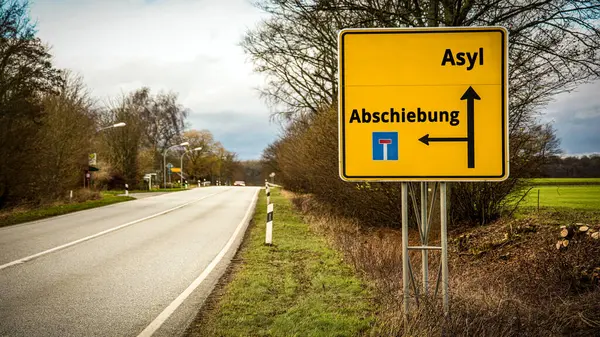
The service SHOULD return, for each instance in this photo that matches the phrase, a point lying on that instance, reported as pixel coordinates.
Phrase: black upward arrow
(470, 95)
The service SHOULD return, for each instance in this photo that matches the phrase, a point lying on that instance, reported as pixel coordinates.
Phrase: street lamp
(165, 161)
(221, 159)
(117, 125)
(181, 160)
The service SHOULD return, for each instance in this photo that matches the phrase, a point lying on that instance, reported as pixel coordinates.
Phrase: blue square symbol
(385, 145)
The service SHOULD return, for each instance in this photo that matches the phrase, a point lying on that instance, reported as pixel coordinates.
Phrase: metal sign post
(444, 242)
(411, 99)
(272, 175)
(424, 226)
(405, 257)
(424, 237)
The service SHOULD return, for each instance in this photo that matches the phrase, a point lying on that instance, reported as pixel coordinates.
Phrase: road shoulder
(298, 286)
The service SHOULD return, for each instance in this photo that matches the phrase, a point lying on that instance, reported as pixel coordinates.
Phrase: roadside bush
(65, 141)
(522, 287)
(307, 158)
(85, 194)
(308, 161)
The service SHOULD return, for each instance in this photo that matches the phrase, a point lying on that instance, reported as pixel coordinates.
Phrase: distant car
(239, 183)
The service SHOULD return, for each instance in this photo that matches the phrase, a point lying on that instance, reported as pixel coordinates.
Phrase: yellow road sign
(425, 104)
(175, 169)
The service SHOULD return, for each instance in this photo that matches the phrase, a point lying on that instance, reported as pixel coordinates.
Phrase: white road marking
(169, 310)
(72, 243)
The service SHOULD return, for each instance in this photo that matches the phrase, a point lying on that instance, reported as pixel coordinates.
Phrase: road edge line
(172, 307)
(72, 243)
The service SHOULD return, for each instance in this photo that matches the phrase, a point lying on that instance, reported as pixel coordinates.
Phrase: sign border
(423, 30)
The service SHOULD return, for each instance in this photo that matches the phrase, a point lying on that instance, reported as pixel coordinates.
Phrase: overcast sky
(191, 47)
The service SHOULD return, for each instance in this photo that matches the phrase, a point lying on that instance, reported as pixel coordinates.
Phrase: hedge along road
(119, 270)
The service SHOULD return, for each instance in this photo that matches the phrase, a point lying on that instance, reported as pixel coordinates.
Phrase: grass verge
(17, 217)
(297, 287)
(117, 192)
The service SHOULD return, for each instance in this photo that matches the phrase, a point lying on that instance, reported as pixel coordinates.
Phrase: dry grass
(506, 279)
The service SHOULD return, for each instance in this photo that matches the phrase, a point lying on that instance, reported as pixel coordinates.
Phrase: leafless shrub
(85, 194)
(523, 287)
(553, 48)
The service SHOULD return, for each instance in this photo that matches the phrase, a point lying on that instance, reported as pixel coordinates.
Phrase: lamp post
(165, 161)
(181, 160)
(116, 125)
(221, 158)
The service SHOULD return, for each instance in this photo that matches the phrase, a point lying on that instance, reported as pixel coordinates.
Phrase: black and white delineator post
(126, 189)
(269, 229)
(424, 225)
(269, 233)
(268, 191)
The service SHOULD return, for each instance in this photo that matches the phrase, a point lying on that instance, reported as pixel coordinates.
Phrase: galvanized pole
(444, 239)
(424, 238)
(165, 169)
(181, 167)
(405, 257)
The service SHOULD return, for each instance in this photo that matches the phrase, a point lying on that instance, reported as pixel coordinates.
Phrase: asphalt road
(140, 267)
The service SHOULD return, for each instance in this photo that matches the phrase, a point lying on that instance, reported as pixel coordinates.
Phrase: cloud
(241, 133)
(576, 117)
(189, 47)
(192, 47)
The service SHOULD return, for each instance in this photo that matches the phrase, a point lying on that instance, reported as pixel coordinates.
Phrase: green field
(565, 181)
(575, 193)
(582, 197)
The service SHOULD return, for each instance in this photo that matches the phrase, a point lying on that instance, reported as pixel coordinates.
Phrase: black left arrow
(470, 95)
(425, 139)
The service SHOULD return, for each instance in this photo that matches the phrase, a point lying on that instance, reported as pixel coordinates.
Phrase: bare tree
(556, 42)
(65, 140)
(554, 46)
(270, 159)
(199, 163)
(162, 119)
(26, 73)
(123, 145)
(154, 123)
(162, 115)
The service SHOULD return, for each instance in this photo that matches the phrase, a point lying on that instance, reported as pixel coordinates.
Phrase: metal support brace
(424, 237)
(444, 242)
(405, 271)
(424, 225)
